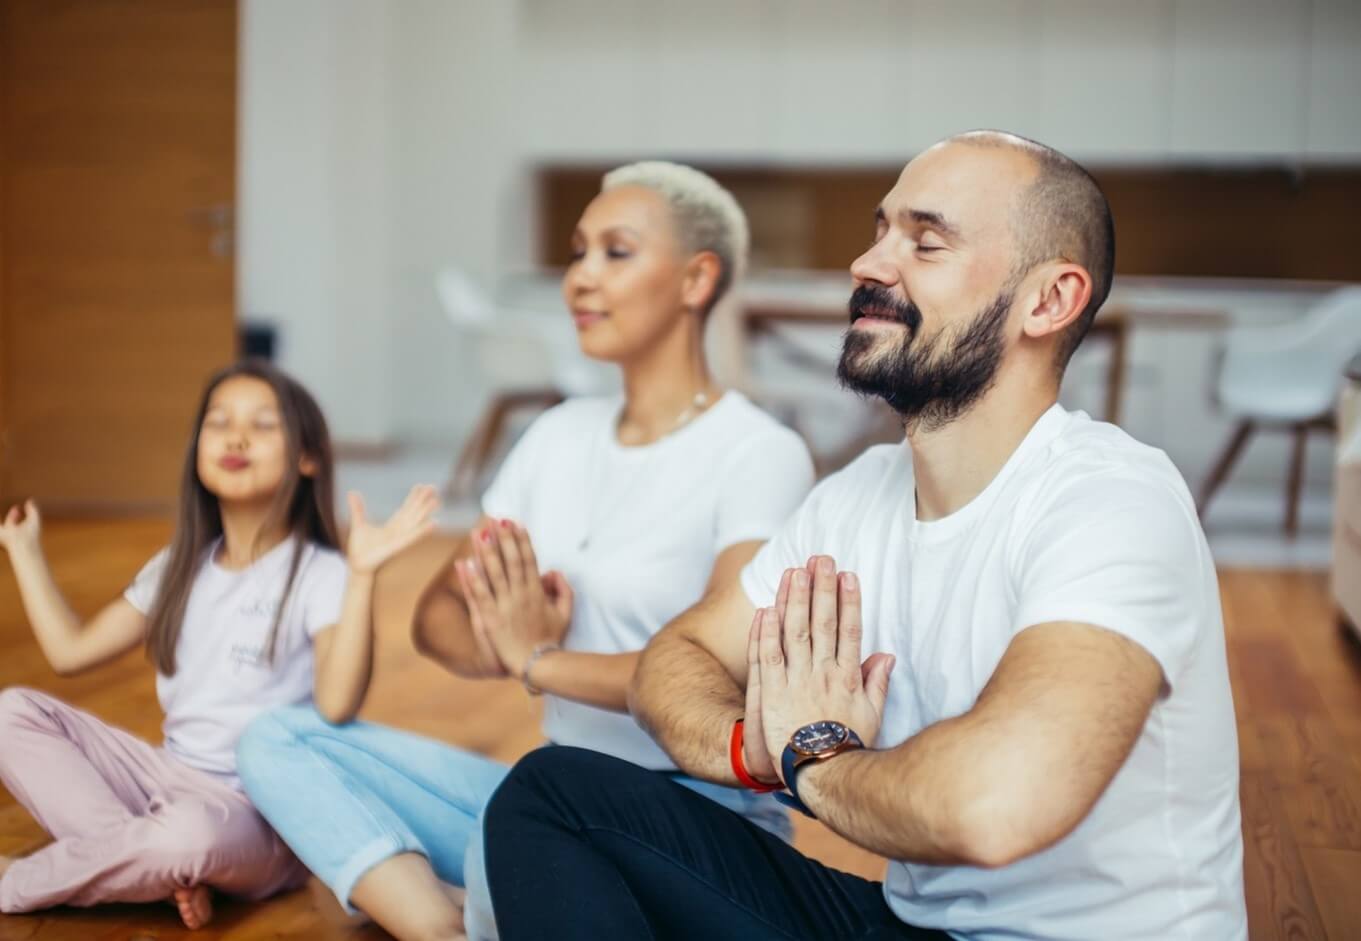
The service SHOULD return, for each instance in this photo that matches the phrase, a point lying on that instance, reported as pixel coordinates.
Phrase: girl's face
(627, 283)
(242, 445)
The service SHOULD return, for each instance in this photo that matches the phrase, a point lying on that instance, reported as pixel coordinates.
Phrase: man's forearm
(912, 803)
(688, 702)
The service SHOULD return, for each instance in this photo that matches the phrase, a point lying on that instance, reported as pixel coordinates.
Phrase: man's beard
(928, 387)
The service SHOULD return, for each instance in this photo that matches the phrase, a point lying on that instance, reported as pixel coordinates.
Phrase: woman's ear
(701, 280)
(308, 466)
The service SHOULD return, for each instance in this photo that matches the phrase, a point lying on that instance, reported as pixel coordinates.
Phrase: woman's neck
(247, 534)
(666, 388)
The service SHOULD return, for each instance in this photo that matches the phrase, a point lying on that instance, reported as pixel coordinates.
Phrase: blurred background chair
(1285, 376)
(527, 352)
(1347, 493)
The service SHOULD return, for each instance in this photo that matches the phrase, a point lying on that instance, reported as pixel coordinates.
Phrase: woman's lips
(586, 318)
(233, 462)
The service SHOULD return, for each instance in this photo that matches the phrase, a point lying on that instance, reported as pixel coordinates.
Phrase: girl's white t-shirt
(636, 530)
(223, 677)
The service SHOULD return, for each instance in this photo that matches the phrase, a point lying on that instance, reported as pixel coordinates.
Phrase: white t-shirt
(653, 519)
(223, 678)
(1082, 524)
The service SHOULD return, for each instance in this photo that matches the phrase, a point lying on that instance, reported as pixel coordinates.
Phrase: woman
(633, 505)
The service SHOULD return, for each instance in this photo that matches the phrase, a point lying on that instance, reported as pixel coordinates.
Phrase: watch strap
(791, 760)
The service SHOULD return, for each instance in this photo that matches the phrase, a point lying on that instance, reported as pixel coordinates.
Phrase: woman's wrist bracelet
(533, 657)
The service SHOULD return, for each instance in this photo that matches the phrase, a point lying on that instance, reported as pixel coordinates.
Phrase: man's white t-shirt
(636, 530)
(1082, 524)
(223, 678)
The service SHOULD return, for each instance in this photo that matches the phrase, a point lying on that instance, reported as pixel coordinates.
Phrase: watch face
(818, 737)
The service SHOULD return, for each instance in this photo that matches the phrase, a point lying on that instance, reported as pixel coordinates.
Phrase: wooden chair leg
(1222, 466)
(1115, 371)
(473, 454)
(1295, 481)
(481, 445)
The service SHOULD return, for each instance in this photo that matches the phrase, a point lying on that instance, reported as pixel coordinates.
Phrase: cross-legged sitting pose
(993, 653)
(234, 613)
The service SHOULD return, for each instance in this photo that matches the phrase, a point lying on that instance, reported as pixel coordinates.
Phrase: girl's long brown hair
(305, 503)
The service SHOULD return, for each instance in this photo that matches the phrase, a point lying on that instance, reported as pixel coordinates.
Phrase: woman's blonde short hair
(707, 217)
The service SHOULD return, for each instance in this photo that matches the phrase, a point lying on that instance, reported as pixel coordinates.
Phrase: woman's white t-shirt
(223, 678)
(1082, 524)
(636, 530)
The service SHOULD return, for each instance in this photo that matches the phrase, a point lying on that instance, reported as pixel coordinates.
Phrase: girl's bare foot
(195, 905)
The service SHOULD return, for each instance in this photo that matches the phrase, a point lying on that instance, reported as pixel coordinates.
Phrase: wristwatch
(816, 741)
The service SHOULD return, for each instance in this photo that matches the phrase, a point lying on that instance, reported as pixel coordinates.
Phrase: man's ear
(1065, 290)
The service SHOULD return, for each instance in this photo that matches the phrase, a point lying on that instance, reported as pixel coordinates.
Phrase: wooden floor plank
(1333, 876)
(1281, 905)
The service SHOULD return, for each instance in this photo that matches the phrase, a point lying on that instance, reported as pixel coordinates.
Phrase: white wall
(382, 140)
(874, 80)
(314, 191)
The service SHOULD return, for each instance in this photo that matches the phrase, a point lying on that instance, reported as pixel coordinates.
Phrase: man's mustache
(871, 301)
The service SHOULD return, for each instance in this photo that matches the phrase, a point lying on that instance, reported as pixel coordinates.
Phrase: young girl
(232, 613)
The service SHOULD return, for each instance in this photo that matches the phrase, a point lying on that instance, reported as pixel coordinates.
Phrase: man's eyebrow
(933, 219)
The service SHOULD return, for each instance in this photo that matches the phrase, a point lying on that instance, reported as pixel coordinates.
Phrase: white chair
(1347, 503)
(1286, 376)
(528, 354)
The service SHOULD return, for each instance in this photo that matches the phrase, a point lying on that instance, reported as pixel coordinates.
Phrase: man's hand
(809, 659)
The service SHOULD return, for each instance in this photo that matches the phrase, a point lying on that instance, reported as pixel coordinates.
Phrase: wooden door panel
(116, 281)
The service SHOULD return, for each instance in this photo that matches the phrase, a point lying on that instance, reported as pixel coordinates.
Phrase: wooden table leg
(1118, 327)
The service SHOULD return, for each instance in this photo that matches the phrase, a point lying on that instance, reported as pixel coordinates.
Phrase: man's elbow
(992, 834)
(639, 687)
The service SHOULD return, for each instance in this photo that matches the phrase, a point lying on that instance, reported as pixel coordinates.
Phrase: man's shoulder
(1094, 471)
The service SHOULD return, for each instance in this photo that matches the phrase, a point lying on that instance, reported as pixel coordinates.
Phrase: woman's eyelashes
(613, 252)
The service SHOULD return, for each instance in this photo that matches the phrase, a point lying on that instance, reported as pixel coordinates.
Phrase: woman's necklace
(692, 411)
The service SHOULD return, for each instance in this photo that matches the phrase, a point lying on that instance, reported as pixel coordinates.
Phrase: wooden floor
(1297, 682)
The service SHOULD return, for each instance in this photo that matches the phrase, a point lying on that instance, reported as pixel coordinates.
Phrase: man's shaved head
(1061, 215)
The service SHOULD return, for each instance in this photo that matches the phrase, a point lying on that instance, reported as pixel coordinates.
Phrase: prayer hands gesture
(803, 665)
(513, 608)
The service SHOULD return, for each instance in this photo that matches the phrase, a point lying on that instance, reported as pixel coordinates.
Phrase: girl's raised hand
(21, 527)
(370, 545)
